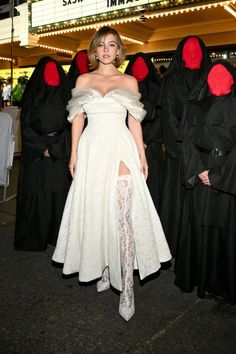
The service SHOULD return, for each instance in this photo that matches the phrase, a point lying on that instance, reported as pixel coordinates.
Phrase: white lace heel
(126, 306)
(104, 283)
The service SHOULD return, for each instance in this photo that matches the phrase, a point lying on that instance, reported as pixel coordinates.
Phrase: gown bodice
(109, 109)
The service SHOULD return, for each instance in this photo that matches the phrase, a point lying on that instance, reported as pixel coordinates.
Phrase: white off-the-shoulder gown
(88, 239)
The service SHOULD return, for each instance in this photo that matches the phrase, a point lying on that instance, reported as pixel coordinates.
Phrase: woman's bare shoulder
(83, 80)
(130, 82)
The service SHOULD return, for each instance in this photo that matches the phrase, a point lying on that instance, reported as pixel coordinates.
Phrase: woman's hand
(204, 177)
(46, 153)
(73, 165)
(144, 166)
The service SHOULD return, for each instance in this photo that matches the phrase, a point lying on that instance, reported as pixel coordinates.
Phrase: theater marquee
(54, 12)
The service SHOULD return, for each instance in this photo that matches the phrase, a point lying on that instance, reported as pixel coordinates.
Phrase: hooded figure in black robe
(142, 68)
(206, 253)
(184, 73)
(79, 65)
(44, 177)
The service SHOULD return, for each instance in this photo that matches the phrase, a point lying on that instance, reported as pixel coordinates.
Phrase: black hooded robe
(44, 181)
(74, 71)
(206, 253)
(150, 92)
(178, 85)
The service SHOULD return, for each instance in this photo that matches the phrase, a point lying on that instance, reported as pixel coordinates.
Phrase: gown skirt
(88, 239)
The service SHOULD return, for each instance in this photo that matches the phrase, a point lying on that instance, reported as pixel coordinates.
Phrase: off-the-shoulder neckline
(108, 92)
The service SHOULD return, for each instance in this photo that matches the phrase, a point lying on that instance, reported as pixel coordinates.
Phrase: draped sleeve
(223, 177)
(172, 110)
(191, 159)
(79, 97)
(131, 101)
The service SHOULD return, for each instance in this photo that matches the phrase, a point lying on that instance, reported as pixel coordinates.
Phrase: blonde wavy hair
(97, 38)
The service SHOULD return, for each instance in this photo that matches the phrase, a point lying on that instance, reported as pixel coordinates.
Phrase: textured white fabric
(127, 246)
(130, 101)
(88, 239)
(6, 92)
(104, 283)
(7, 143)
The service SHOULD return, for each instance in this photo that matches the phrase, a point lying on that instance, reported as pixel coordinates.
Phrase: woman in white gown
(110, 225)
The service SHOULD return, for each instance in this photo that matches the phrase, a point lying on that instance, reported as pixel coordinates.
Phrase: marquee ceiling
(214, 25)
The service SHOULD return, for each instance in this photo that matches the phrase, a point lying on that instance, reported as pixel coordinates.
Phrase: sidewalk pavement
(43, 312)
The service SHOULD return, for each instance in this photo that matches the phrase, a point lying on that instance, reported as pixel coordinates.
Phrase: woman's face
(107, 49)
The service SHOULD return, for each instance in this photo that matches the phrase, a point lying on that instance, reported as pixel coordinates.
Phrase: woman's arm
(76, 131)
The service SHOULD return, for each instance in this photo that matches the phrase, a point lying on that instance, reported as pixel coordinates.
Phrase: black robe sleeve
(171, 114)
(60, 148)
(213, 129)
(33, 144)
(192, 162)
(151, 127)
(223, 178)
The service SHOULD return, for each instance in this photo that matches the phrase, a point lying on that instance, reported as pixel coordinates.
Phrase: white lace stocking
(124, 205)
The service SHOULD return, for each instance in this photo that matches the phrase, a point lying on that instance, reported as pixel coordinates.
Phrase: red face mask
(51, 75)
(139, 69)
(220, 81)
(82, 62)
(192, 53)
